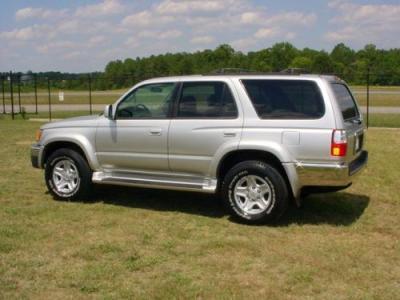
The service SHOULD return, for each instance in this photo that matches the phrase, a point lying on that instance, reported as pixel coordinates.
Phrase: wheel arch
(232, 158)
(54, 145)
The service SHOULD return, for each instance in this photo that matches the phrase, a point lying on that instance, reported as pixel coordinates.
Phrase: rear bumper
(36, 151)
(330, 174)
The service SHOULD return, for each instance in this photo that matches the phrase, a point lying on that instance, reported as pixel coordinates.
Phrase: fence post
(90, 93)
(35, 87)
(49, 94)
(19, 93)
(368, 73)
(4, 98)
(11, 96)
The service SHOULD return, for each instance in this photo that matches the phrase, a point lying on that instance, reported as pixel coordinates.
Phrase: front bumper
(331, 174)
(36, 151)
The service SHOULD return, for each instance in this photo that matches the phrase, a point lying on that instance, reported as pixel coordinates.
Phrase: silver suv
(257, 140)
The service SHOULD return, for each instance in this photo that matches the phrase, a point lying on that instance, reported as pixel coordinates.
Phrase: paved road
(56, 107)
(377, 92)
(117, 93)
(100, 107)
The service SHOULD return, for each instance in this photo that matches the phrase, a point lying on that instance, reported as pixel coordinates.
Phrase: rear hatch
(352, 119)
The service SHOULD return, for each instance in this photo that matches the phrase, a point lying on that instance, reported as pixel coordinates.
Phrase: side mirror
(108, 112)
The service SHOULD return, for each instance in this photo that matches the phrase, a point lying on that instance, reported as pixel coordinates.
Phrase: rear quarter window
(285, 99)
(346, 101)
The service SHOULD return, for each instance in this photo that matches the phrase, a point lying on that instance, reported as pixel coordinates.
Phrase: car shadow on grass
(161, 200)
(341, 208)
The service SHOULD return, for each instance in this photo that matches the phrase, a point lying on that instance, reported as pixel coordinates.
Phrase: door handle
(155, 131)
(229, 134)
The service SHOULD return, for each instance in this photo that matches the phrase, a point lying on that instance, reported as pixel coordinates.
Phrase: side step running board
(156, 181)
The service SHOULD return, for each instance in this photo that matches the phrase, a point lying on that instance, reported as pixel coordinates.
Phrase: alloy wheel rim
(66, 177)
(253, 194)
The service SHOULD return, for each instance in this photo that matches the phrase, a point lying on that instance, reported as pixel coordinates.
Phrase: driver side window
(150, 101)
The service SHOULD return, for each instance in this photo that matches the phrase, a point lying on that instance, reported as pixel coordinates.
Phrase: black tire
(84, 181)
(278, 189)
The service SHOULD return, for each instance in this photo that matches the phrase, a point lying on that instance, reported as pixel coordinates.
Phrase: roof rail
(225, 71)
(234, 71)
(295, 71)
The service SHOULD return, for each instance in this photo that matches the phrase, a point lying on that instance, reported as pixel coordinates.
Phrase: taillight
(339, 143)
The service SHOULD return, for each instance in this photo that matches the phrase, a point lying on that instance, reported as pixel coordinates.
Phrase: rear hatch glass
(346, 101)
(352, 118)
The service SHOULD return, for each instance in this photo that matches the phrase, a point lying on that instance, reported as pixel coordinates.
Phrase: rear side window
(346, 101)
(285, 99)
(206, 100)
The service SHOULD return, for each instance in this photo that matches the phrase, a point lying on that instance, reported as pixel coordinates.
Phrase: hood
(86, 121)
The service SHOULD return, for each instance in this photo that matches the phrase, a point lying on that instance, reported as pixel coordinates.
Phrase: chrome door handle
(155, 131)
(229, 134)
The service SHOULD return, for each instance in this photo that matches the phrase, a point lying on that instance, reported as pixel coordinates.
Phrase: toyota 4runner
(256, 140)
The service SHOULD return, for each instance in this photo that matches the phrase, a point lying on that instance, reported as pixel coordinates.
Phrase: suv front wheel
(68, 175)
(255, 192)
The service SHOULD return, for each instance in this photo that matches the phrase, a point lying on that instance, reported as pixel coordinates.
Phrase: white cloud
(170, 34)
(146, 19)
(172, 7)
(160, 35)
(266, 33)
(104, 8)
(362, 24)
(204, 39)
(132, 42)
(25, 33)
(250, 17)
(55, 46)
(72, 55)
(38, 13)
(244, 43)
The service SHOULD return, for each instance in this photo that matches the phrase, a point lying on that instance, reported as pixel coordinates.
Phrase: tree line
(383, 66)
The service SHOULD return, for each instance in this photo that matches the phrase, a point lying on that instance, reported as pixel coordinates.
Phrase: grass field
(136, 243)
(378, 96)
(375, 120)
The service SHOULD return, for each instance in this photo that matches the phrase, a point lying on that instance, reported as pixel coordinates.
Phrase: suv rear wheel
(68, 175)
(255, 192)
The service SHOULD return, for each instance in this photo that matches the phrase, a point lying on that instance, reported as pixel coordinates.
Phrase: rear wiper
(356, 121)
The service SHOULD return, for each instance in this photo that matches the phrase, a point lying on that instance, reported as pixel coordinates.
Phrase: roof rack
(225, 71)
(295, 71)
(234, 71)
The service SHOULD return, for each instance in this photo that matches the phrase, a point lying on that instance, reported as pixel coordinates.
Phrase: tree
(302, 62)
(282, 54)
(323, 64)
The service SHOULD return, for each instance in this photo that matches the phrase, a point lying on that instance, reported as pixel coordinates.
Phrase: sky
(84, 35)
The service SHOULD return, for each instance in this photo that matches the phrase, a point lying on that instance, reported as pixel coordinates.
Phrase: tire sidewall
(50, 181)
(84, 174)
(271, 176)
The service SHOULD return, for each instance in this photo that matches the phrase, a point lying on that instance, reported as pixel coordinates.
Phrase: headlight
(38, 135)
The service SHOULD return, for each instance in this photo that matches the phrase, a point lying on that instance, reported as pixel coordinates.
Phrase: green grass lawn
(136, 243)
(110, 96)
(384, 120)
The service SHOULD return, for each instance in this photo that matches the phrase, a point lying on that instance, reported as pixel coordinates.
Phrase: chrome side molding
(147, 180)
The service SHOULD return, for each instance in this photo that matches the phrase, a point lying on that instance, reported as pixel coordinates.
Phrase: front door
(137, 139)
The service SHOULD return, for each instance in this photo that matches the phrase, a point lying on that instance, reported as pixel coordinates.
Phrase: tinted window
(206, 100)
(285, 99)
(345, 100)
(147, 102)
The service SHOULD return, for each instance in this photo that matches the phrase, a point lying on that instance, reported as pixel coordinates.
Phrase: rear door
(351, 117)
(207, 119)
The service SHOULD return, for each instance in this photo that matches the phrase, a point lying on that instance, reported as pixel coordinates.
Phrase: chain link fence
(33, 96)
